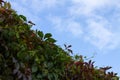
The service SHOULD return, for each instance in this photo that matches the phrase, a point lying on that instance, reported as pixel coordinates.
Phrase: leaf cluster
(81, 70)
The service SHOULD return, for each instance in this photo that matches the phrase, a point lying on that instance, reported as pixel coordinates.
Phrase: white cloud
(100, 28)
(101, 36)
(67, 25)
(75, 28)
(88, 7)
(44, 5)
(39, 5)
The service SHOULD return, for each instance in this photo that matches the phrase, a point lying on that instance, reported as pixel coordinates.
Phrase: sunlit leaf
(23, 17)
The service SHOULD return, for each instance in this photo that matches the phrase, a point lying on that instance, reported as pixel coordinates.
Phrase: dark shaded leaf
(40, 33)
(50, 40)
(47, 35)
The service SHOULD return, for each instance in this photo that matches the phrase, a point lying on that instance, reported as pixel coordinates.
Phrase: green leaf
(5, 5)
(55, 76)
(20, 55)
(50, 40)
(39, 76)
(34, 68)
(40, 33)
(37, 60)
(50, 76)
(17, 35)
(9, 5)
(23, 17)
(32, 53)
(48, 35)
(50, 64)
(115, 78)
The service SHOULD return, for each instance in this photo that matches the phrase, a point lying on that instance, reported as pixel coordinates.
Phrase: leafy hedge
(32, 55)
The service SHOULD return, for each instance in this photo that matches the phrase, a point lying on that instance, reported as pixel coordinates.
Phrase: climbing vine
(26, 54)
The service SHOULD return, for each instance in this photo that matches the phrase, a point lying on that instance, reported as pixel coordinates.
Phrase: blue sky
(90, 26)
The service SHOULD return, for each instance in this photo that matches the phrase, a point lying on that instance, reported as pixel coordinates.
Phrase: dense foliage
(32, 55)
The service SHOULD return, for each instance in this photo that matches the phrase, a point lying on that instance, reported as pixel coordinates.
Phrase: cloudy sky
(92, 27)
